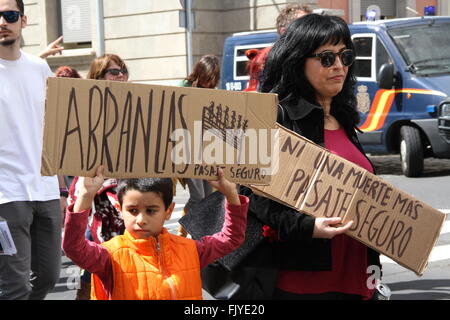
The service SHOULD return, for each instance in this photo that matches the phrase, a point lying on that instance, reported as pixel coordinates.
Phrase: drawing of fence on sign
(227, 126)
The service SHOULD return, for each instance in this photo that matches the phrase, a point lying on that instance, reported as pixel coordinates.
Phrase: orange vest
(147, 269)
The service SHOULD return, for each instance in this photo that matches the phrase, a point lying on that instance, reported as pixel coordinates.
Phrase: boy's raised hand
(87, 189)
(226, 187)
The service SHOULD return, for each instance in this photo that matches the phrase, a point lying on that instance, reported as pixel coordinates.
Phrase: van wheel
(411, 151)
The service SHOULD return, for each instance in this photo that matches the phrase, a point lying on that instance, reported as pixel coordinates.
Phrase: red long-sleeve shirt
(95, 258)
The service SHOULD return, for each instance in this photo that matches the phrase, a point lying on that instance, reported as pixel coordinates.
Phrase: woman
(108, 67)
(205, 74)
(67, 72)
(311, 69)
(105, 221)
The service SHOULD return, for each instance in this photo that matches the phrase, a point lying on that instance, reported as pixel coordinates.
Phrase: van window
(382, 56)
(370, 56)
(240, 60)
(364, 52)
(425, 48)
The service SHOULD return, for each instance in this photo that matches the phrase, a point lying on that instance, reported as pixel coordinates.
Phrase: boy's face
(144, 213)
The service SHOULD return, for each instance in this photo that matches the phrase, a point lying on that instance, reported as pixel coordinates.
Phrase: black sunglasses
(328, 57)
(116, 72)
(10, 16)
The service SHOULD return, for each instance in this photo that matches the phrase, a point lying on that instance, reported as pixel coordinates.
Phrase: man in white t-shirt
(29, 202)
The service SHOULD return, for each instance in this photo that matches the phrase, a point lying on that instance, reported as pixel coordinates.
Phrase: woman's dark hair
(206, 72)
(284, 69)
(161, 186)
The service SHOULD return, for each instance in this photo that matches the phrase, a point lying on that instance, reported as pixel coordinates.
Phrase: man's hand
(324, 228)
(87, 190)
(52, 49)
(226, 187)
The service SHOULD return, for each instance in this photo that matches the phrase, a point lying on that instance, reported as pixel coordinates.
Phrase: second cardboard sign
(321, 184)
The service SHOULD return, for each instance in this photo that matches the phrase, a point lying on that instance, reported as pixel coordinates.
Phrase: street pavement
(433, 188)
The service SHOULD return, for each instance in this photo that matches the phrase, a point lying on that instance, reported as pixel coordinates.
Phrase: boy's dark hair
(20, 6)
(161, 186)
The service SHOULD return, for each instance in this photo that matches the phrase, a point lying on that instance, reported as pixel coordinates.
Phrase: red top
(349, 257)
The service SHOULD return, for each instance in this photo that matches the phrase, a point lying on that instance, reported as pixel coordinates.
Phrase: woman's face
(115, 73)
(327, 81)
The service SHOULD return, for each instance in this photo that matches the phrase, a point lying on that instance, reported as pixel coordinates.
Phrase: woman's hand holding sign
(325, 228)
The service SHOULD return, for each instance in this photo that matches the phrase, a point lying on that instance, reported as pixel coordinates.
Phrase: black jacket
(298, 250)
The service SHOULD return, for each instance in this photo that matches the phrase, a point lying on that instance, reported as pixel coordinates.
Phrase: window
(424, 47)
(75, 23)
(370, 56)
(364, 47)
(382, 56)
(240, 60)
(72, 19)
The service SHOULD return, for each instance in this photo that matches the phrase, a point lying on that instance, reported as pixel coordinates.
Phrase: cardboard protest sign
(321, 184)
(138, 130)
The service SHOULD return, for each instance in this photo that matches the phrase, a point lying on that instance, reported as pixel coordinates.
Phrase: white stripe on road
(440, 253)
(437, 254)
(446, 227)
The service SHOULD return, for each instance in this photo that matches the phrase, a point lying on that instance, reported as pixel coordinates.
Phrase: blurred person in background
(205, 74)
(67, 72)
(108, 67)
(257, 58)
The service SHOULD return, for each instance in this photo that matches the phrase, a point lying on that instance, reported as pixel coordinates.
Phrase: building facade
(151, 35)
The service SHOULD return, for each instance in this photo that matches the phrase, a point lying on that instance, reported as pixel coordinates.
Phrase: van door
(372, 104)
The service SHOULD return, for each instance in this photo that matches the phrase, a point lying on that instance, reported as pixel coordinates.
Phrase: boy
(147, 262)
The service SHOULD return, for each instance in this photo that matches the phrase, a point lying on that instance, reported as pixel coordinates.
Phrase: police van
(403, 89)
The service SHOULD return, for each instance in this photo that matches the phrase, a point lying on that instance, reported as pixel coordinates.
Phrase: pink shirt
(95, 258)
(349, 256)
